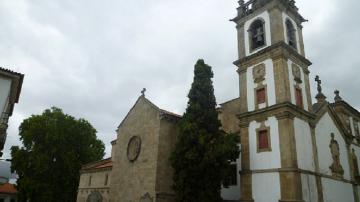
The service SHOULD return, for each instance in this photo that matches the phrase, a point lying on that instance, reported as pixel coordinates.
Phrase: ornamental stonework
(133, 149)
(259, 73)
(336, 168)
(296, 73)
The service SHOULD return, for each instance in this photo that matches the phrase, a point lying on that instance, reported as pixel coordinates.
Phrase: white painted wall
(233, 192)
(266, 187)
(269, 82)
(301, 85)
(323, 129)
(264, 16)
(285, 17)
(337, 191)
(304, 148)
(4, 92)
(265, 160)
(309, 188)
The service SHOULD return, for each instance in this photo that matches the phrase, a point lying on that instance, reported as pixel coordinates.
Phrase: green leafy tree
(202, 155)
(55, 145)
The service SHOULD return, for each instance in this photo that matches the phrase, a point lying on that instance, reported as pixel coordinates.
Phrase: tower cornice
(278, 50)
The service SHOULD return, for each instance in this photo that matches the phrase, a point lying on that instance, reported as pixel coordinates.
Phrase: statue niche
(336, 168)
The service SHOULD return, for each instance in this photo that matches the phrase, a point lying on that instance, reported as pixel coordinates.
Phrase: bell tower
(275, 100)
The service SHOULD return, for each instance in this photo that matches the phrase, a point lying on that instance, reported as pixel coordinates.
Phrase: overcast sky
(92, 58)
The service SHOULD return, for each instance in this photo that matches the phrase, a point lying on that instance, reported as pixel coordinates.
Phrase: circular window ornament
(133, 149)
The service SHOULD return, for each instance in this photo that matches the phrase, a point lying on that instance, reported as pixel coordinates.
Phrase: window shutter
(260, 96)
(299, 101)
(263, 139)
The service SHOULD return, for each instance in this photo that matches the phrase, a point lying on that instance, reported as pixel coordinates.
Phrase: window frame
(291, 33)
(260, 87)
(252, 48)
(258, 131)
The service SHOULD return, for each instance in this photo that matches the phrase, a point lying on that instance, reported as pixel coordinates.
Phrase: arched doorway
(94, 197)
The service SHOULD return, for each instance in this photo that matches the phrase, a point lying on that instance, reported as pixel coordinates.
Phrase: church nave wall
(334, 190)
(323, 131)
(309, 188)
(304, 148)
(266, 187)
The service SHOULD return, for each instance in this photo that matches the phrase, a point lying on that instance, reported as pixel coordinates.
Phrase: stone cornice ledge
(277, 50)
(280, 111)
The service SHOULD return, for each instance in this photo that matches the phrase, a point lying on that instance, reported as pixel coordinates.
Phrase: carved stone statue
(336, 168)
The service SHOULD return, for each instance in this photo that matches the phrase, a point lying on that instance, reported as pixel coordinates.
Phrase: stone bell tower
(275, 101)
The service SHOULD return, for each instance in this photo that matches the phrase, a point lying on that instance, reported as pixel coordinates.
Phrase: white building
(10, 88)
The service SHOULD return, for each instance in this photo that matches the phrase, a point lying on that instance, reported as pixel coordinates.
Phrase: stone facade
(95, 181)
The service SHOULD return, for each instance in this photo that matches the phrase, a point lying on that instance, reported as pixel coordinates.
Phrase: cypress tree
(203, 152)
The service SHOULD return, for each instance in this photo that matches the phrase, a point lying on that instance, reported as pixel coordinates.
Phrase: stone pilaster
(243, 90)
(281, 76)
(316, 161)
(307, 89)
(290, 178)
(276, 25)
(241, 40)
(245, 174)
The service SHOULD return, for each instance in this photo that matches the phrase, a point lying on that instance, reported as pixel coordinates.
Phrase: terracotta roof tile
(105, 163)
(8, 188)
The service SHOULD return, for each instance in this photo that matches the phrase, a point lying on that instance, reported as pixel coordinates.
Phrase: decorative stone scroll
(296, 73)
(259, 73)
(133, 149)
(336, 168)
(146, 198)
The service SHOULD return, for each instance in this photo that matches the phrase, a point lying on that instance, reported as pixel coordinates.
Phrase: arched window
(257, 34)
(94, 197)
(291, 33)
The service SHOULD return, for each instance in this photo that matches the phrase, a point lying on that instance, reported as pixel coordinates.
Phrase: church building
(292, 150)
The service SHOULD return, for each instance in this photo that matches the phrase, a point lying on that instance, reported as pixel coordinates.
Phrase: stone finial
(241, 2)
(337, 97)
(320, 96)
(143, 92)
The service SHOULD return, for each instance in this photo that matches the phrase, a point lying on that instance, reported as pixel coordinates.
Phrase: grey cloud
(92, 58)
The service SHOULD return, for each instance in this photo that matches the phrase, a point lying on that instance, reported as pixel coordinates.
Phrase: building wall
(336, 191)
(309, 188)
(98, 179)
(265, 160)
(164, 171)
(5, 84)
(266, 187)
(132, 180)
(301, 85)
(264, 16)
(269, 82)
(323, 130)
(304, 149)
(227, 116)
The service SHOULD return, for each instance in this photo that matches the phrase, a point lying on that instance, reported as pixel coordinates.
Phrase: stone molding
(283, 110)
(277, 50)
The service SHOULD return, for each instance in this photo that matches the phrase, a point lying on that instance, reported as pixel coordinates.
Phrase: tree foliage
(203, 152)
(55, 145)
